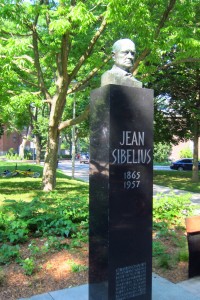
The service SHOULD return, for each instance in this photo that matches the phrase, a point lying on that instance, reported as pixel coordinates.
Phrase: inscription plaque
(130, 281)
(121, 164)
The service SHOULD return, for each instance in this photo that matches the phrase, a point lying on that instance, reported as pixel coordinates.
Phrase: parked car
(84, 158)
(183, 164)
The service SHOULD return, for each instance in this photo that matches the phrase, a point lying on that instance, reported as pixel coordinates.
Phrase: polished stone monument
(120, 233)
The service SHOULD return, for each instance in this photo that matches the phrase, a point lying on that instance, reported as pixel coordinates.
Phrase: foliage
(158, 248)
(183, 255)
(164, 261)
(186, 153)
(171, 208)
(176, 103)
(161, 152)
(76, 267)
(169, 212)
(28, 265)
(56, 243)
(177, 180)
(52, 217)
(8, 253)
(44, 216)
(60, 41)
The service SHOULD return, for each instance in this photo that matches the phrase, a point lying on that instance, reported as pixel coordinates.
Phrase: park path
(157, 189)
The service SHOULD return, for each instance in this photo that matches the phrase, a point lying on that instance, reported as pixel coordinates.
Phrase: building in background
(176, 149)
(11, 140)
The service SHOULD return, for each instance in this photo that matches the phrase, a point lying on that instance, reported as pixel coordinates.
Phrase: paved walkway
(162, 289)
(157, 189)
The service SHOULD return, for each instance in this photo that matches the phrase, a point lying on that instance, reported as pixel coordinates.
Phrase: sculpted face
(124, 54)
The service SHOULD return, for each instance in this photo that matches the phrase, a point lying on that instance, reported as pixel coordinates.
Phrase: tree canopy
(45, 45)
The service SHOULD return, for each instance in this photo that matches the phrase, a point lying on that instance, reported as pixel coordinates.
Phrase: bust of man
(123, 54)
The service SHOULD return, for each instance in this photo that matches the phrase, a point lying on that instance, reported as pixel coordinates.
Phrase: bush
(186, 153)
(43, 216)
(171, 209)
(161, 152)
(28, 154)
(8, 252)
(28, 265)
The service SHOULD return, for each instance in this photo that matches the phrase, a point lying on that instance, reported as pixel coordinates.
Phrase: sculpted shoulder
(112, 77)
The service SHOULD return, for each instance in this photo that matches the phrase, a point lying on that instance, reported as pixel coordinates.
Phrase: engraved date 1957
(131, 180)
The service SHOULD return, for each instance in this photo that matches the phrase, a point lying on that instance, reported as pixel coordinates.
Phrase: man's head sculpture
(123, 54)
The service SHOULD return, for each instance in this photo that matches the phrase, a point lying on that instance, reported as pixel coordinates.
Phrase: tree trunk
(23, 144)
(22, 147)
(195, 169)
(51, 156)
(38, 148)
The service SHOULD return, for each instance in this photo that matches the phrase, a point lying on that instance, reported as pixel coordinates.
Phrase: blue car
(184, 164)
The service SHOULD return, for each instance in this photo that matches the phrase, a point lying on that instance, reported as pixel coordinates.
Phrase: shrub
(164, 261)
(161, 152)
(171, 209)
(28, 265)
(158, 248)
(186, 153)
(44, 216)
(28, 154)
(76, 267)
(8, 252)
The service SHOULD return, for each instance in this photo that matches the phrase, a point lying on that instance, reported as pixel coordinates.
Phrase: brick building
(176, 149)
(7, 141)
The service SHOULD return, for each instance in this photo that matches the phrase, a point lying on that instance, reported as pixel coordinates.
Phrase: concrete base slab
(192, 285)
(162, 289)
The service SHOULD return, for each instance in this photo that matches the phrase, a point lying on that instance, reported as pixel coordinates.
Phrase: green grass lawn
(177, 180)
(25, 188)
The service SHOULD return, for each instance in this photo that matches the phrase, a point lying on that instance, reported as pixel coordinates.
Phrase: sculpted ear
(113, 55)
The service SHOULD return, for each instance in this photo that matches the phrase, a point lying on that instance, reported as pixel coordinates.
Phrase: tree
(57, 42)
(179, 91)
(161, 152)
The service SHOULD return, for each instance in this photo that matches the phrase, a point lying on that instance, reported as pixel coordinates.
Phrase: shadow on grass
(176, 180)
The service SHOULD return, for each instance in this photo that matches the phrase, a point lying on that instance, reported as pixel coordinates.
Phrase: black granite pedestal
(120, 234)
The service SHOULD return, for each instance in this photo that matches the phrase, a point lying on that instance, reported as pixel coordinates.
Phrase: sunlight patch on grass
(26, 188)
(176, 180)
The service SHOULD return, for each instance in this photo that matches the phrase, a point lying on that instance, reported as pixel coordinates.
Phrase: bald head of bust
(123, 54)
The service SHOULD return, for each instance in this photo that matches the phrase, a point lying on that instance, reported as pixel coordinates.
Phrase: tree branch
(27, 57)
(161, 24)
(80, 85)
(142, 56)
(171, 64)
(41, 82)
(89, 48)
(184, 60)
(13, 34)
(75, 121)
(164, 18)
